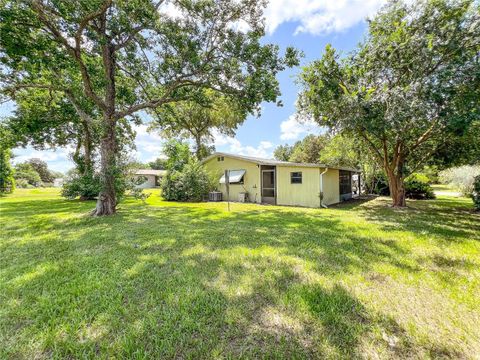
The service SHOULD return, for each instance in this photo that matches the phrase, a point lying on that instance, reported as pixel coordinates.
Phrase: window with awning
(234, 177)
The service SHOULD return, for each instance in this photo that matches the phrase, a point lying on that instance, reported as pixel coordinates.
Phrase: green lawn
(171, 280)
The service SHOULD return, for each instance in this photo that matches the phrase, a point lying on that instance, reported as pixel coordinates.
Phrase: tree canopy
(158, 164)
(413, 82)
(7, 181)
(26, 172)
(46, 120)
(198, 120)
(306, 150)
(42, 169)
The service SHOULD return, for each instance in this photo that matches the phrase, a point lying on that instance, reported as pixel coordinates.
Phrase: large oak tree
(123, 57)
(407, 88)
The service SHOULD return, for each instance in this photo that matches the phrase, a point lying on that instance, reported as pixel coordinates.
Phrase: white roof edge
(276, 162)
(150, 172)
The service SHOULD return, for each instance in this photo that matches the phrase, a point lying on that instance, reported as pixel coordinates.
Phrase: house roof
(273, 162)
(150, 172)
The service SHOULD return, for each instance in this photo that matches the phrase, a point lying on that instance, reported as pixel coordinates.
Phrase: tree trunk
(106, 202)
(87, 149)
(198, 147)
(397, 189)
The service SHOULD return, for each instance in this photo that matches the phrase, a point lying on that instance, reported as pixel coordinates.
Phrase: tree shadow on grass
(354, 202)
(443, 218)
(180, 282)
(179, 305)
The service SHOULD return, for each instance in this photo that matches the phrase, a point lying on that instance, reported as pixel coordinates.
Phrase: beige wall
(331, 187)
(251, 179)
(307, 193)
(304, 194)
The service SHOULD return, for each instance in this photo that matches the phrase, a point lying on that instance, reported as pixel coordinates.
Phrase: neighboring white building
(153, 177)
(58, 182)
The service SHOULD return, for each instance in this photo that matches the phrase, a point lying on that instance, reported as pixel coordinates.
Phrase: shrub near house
(417, 187)
(192, 183)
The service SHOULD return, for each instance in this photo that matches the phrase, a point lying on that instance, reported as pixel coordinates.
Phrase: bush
(87, 187)
(431, 172)
(476, 193)
(22, 183)
(417, 187)
(139, 194)
(420, 177)
(192, 183)
(461, 178)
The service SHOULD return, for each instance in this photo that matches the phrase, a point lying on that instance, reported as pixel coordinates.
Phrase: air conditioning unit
(215, 196)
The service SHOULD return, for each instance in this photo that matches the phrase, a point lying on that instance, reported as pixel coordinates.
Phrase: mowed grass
(190, 281)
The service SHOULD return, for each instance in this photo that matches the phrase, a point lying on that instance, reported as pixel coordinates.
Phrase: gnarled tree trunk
(107, 201)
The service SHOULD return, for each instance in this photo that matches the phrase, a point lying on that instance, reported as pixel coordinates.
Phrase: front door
(268, 186)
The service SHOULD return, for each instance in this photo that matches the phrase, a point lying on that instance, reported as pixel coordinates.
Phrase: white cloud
(293, 128)
(319, 16)
(266, 144)
(234, 146)
(171, 10)
(149, 145)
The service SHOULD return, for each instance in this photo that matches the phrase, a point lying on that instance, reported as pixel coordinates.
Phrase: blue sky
(306, 24)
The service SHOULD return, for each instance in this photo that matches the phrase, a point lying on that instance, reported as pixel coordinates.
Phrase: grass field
(171, 280)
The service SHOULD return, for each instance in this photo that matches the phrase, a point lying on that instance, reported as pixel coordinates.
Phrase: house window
(234, 177)
(295, 178)
(345, 182)
(220, 158)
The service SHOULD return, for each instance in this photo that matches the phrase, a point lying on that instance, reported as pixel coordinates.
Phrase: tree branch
(151, 104)
(75, 52)
(83, 115)
(376, 152)
(135, 31)
(84, 22)
(425, 136)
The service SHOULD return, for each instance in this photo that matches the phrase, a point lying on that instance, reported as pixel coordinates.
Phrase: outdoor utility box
(215, 196)
(243, 197)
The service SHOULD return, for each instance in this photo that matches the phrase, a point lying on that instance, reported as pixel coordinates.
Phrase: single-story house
(153, 177)
(58, 182)
(282, 182)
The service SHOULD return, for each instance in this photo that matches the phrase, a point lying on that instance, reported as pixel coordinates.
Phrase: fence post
(227, 188)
